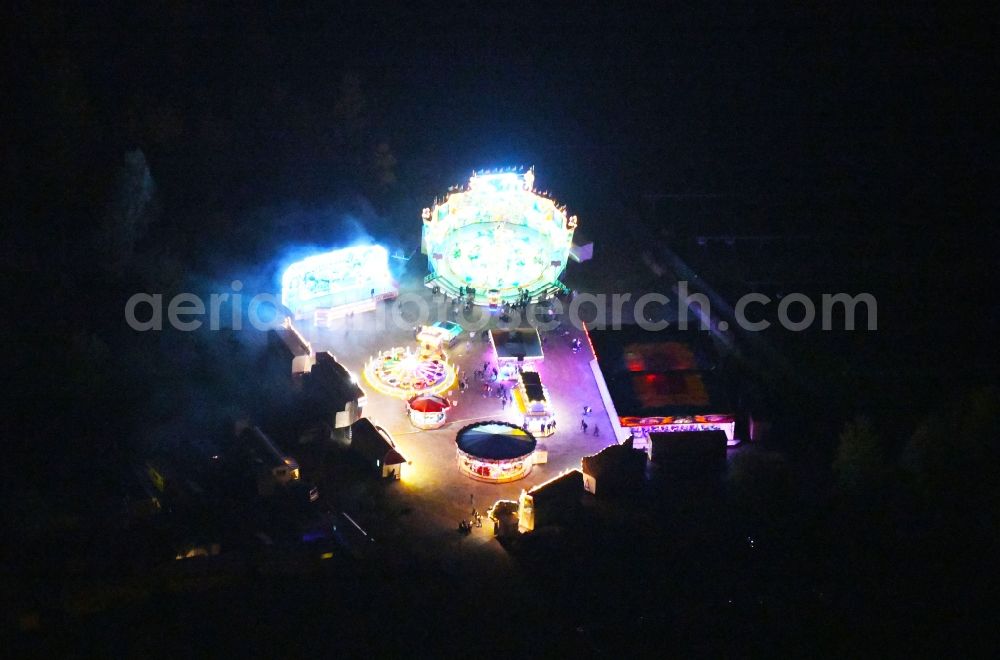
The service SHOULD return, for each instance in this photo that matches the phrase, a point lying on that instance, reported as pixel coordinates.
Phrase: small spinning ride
(403, 372)
(428, 411)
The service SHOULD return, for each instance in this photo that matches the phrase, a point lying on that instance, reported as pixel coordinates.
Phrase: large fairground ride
(498, 237)
(334, 284)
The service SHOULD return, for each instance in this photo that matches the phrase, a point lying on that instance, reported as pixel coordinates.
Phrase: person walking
(597, 430)
(584, 424)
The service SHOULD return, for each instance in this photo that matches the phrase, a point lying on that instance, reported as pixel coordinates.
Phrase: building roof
(332, 381)
(450, 326)
(533, 386)
(565, 485)
(687, 449)
(263, 447)
(495, 441)
(667, 373)
(288, 337)
(520, 343)
(618, 459)
(370, 442)
(428, 403)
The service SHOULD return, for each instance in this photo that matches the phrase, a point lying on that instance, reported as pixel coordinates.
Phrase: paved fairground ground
(434, 495)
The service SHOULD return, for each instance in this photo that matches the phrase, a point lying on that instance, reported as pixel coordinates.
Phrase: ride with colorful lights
(403, 372)
(497, 240)
(334, 284)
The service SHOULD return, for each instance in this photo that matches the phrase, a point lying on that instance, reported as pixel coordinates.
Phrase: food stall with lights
(440, 335)
(516, 350)
(532, 399)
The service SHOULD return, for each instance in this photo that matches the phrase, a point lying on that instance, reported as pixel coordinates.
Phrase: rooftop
(520, 343)
(495, 441)
(565, 485)
(533, 386)
(288, 337)
(370, 442)
(329, 378)
(663, 373)
(614, 459)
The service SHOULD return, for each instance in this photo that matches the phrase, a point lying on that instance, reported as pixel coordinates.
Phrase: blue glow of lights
(337, 278)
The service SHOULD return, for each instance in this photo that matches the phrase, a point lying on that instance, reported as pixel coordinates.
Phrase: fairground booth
(440, 335)
(428, 411)
(516, 350)
(532, 399)
(660, 382)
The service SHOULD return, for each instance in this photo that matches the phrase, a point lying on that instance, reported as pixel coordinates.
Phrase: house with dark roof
(550, 502)
(376, 448)
(689, 453)
(332, 393)
(289, 349)
(272, 466)
(616, 469)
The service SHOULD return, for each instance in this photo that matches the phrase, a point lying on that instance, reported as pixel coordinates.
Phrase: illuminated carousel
(405, 372)
(499, 238)
(496, 452)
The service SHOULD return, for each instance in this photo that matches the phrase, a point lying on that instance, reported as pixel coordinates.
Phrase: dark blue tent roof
(495, 441)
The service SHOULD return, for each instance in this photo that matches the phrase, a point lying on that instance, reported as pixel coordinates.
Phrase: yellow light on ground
(326, 555)
(407, 474)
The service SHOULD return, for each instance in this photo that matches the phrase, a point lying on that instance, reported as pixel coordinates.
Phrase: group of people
(486, 373)
(584, 426)
(499, 391)
(465, 526)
